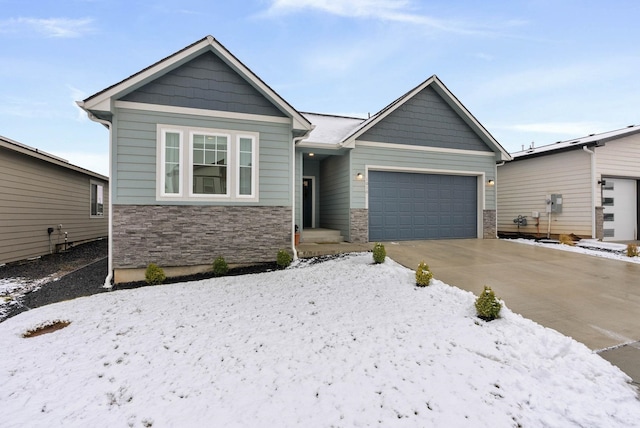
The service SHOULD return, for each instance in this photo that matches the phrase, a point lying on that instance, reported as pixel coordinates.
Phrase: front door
(307, 203)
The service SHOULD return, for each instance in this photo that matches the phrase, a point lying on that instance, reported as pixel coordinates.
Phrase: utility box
(555, 203)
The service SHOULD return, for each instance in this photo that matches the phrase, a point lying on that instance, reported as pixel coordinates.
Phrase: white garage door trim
(480, 186)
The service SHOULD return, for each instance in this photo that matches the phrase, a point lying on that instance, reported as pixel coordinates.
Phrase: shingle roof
(589, 140)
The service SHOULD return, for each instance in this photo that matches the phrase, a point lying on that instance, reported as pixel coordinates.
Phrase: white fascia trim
(423, 148)
(423, 170)
(200, 112)
(311, 145)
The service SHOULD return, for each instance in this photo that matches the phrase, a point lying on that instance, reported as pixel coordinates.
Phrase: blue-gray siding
(205, 82)
(408, 206)
(426, 120)
(335, 194)
(135, 156)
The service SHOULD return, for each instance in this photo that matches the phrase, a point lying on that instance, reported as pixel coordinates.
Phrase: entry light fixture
(359, 176)
(491, 182)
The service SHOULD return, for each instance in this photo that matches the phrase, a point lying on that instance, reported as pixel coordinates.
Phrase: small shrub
(423, 275)
(632, 250)
(220, 266)
(154, 274)
(284, 259)
(487, 305)
(567, 240)
(379, 253)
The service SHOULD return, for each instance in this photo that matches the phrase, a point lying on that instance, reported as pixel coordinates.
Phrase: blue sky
(530, 71)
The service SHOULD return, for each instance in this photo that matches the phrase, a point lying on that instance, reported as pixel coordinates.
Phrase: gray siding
(363, 156)
(135, 174)
(36, 195)
(205, 82)
(426, 120)
(523, 187)
(335, 194)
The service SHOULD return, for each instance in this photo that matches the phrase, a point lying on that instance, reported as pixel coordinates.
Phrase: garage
(411, 206)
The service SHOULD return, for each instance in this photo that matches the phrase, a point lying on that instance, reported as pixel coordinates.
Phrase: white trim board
(200, 112)
(423, 148)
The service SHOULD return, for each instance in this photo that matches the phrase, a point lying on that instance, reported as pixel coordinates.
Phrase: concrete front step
(321, 236)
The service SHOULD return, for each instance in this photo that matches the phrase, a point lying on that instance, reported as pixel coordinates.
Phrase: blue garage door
(407, 206)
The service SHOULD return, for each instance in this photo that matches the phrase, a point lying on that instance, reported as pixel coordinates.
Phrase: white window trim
(186, 167)
(162, 167)
(254, 166)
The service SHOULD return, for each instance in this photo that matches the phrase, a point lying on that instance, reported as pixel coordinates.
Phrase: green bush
(220, 266)
(487, 305)
(284, 259)
(379, 253)
(632, 250)
(154, 274)
(423, 275)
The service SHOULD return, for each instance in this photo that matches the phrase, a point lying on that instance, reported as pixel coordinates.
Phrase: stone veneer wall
(599, 223)
(489, 224)
(183, 235)
(359, 225)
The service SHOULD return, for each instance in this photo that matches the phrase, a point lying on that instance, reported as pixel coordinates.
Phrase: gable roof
(103, 101)
(38, 154)
(335, 132)
(435, 83)
(576, 143)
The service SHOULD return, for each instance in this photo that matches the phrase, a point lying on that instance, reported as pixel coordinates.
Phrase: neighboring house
(208, 160)
(587, 187)
(46, 203)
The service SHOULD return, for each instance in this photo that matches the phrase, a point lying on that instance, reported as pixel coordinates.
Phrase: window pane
(209, 157)
(245, 159)
(171, 163)
(209, 180)
(198, 141)
(245, 181)
(245, 144)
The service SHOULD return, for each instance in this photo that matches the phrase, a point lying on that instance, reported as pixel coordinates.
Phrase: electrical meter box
(555, 203)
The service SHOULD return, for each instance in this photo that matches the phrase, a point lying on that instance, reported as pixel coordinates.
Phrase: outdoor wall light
(359, 176)
(491, 182)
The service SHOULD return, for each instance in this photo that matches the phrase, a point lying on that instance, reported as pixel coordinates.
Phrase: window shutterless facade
(206, 164)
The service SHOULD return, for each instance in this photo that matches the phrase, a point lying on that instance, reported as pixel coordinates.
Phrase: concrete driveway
(594, 300)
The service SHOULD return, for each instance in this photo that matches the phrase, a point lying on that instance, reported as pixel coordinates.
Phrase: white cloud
(77, 95)
(401, 11)
(49, 27)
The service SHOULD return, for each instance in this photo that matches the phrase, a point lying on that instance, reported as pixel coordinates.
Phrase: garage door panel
(405, 206)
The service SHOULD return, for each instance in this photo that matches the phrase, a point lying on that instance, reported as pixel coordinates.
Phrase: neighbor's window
(97, 200)
(213, 164)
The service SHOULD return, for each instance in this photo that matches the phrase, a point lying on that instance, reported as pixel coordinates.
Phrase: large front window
(206, 164)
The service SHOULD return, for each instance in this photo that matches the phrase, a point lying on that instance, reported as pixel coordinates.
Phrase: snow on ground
(341, 343)
(12, 290)
(591, 247)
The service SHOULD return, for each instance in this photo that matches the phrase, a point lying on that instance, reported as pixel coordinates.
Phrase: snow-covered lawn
(341, 343)
(12, 290)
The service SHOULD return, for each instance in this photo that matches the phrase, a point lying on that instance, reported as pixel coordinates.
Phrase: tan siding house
(47, 203)
(595, 177)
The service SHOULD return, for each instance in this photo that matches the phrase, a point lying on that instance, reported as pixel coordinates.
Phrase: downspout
(592, 153)
(109, 278)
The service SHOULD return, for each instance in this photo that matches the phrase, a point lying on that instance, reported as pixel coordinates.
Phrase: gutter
(108, 280)
(592, 154)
